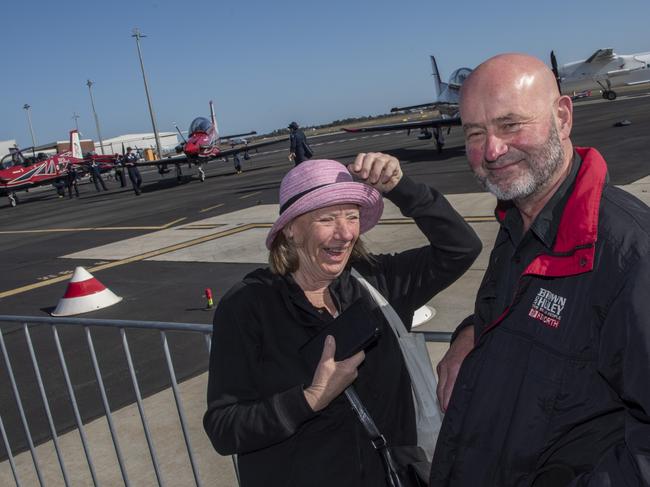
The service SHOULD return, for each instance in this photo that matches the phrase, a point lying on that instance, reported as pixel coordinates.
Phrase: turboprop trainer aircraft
(604, 69)
(21, 172)
(446, 102)
(205, 144)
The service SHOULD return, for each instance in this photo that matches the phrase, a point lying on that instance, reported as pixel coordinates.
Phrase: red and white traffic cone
(84, 293)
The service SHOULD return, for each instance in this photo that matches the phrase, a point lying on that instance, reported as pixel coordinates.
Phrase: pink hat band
(321, 183)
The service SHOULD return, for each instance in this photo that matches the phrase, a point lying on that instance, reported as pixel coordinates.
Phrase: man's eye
(512, 126)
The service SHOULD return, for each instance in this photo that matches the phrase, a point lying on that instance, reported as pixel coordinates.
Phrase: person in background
(299, 150)
(130, 161)
(289, 424)
(71, 181)
(96, 175)
(119, 170)
(546, 383)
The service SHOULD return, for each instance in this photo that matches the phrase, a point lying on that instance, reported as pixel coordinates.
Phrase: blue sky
(266, 63)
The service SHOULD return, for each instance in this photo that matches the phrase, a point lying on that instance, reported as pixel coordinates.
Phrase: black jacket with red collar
(557, 389)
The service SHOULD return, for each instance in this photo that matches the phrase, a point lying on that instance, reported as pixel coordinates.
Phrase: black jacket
(298, 146)
(556, 391)
(256, 406)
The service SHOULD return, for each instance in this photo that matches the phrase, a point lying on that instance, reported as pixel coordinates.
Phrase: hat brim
(369, 200)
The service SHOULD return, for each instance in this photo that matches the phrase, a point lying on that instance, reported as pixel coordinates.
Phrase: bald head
(511, 75)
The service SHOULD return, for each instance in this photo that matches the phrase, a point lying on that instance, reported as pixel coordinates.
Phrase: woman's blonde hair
(283, 257)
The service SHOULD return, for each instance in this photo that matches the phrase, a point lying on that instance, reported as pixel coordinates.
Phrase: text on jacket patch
(547, 307)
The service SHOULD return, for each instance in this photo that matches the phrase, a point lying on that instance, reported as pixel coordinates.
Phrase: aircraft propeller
(555, 71)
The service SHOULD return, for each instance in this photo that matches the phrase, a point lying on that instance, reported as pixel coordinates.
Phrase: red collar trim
(578, 230)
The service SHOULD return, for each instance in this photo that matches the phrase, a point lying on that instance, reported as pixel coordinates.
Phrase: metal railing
(86, 330)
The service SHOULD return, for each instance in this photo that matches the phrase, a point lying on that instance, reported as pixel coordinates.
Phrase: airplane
(19, 172)
(446, 101)
(205, 144)
(604, 69)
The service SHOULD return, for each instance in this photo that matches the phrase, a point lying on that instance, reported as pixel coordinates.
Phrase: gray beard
(541, 167)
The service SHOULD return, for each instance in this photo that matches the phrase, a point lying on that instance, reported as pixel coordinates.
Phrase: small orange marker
(208, 296)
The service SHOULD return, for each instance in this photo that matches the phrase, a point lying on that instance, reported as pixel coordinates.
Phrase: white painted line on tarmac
(249, 195)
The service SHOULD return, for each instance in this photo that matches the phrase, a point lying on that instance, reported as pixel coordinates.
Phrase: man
(96, 175)
(554, 385)
(130, 161)
(299, 150)
(71, 181)
(119, 170)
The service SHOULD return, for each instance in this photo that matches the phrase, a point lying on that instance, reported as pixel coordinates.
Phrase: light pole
(26, 107)
(137, 34)
(92, 102)
(75, 117)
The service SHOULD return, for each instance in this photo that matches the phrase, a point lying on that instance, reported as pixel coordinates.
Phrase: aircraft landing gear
(13, 199)
(179, 173)
(609, 95)
(201, 174)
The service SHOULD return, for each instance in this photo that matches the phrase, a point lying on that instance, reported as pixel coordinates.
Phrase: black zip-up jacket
(256, 405)
(556, 391)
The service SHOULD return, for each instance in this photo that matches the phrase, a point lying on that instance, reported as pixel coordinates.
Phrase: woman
(288, 424)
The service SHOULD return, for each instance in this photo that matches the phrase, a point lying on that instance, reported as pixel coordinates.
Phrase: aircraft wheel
(604, 95)
(611, 95)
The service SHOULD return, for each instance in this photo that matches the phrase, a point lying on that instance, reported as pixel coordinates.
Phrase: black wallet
(354, 330)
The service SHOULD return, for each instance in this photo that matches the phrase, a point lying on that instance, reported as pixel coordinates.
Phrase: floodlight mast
(137, 34)
(89, 83)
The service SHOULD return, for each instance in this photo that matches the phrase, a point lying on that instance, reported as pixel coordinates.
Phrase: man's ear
(564, 117)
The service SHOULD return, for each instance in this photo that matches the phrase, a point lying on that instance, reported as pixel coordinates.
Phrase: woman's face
(324, 239)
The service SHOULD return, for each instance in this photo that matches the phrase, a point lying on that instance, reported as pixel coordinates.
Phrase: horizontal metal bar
(436, 336)
(158, 325)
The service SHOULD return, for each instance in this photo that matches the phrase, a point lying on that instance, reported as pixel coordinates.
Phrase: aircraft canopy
(200, 124)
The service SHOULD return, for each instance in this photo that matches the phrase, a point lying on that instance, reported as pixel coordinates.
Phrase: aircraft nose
(191, 149)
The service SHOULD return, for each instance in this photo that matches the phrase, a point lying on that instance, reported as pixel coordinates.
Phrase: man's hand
(450, 365)
(292, 156)
(331, 377)
(378, 170)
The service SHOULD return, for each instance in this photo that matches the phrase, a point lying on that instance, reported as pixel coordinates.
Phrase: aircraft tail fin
(214, 119)
(75, 145)
(436, 76)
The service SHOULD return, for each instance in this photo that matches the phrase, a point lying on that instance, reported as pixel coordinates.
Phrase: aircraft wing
(601, 56)
(412, 107)
(418, 124)
(223, 152)
(232, 136)
(248, 147)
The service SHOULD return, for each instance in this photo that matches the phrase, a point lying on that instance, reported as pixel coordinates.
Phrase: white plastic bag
(423, 380)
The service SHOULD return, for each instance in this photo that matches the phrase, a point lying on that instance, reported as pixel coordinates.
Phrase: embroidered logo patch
(547, 307)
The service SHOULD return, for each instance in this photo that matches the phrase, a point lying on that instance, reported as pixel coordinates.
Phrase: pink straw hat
(320, 183)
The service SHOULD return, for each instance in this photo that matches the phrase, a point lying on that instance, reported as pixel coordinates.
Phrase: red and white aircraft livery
(205, 144)
(19, 172)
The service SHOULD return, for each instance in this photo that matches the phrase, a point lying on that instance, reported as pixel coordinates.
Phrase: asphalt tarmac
(42, 228)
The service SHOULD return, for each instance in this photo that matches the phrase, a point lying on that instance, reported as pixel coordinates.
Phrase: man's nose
(495, 147)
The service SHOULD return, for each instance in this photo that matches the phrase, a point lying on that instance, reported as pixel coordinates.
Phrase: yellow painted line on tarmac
(408, 221)
(190, 243)
(249, 195)
(137, 258)
(211, 208)
(92, 229)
